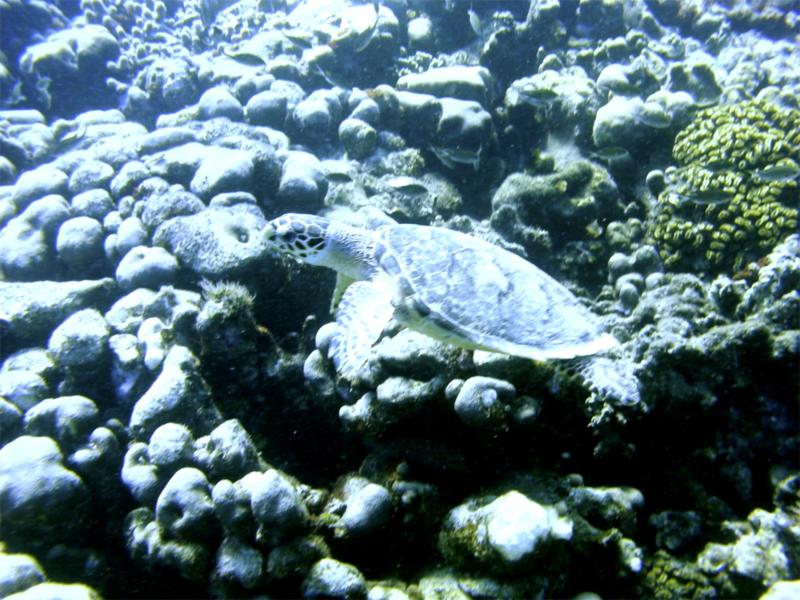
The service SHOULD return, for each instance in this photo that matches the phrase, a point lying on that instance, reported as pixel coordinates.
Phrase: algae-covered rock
(330, 578)
(502, 535)
(37, 491)
(31, 310)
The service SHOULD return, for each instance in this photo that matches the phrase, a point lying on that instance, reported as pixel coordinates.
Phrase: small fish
(538, 93)
(716, 166)
(298, 37)
(656, 120)
(451, 157)
(338, 177)
(777, 173)
(358, 40)
(704, 197)
(708, 103)
(332, 79)
(246, 58)
(71, 138)
(476, 23)
(611, 153)
(407, 185)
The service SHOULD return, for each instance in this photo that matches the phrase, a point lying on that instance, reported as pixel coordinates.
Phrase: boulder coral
(727, 202)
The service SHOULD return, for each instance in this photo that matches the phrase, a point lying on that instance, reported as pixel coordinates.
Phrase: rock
(168, 203)
(329, 578)
(369, 507)
(169, 305)
(57, 591)
(318, 375)
(676, 531)
(164, 138)
(232, 504)
(79, 245)
(227, 452)
(18, 572)
(73, 58)
(128, 176)
(615, 78)
(219, 102)
(152, 337)
(217, 243)
(367, 110)
(95, 203)
(127, 372)
(303, 184)
(601, 18)
(179, 395)
(276, 504)
(223, 170)
(97, 460)
(760, 552)
(170, 83)
(617, 123)
(421, 34)
(41, 181)
(89, 175)
(36, 491)
(10, 425)
(238, 563)
(32, 310)
(153, 548)
(464, 124)
(461, 82)
(782, 590)
(358, 138)
(171, 447)
(295, 558)
(143, 480)
(268, 108)
(415, 355)
(607, 507)
(26, 241)
(564, 101)
(485, 402)
(317, 116)
(146, 267)
(68, 420)
(23, 388)
(184, 508)
(503, 534)
(81, 341)
(130, 233)
(248, 86)
(8, 172)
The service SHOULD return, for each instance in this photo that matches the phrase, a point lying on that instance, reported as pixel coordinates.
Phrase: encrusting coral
(734, 194)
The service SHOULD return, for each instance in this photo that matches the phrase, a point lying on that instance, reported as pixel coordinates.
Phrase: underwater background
(171, 422)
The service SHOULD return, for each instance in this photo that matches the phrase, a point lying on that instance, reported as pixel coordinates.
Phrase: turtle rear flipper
(611, 378)
(364, 312)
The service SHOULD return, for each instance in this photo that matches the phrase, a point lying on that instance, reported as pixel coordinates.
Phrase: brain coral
(726, 204)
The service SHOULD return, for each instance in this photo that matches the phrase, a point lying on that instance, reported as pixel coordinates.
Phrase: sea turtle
(450, 286)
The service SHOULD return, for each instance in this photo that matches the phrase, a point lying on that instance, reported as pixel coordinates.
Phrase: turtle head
(324, 243)
(302, 236)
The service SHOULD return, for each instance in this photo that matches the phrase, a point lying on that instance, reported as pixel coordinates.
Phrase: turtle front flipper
(364, 312)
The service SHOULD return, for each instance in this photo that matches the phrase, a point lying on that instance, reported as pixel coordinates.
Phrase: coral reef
(172, 422)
